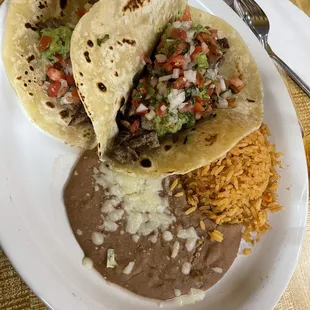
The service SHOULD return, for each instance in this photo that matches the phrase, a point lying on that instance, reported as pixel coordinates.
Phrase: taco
(106, 54)
(199, 95)
(36, 56)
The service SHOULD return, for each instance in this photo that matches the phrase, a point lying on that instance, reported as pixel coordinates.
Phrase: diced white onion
(177, 24)
(128, 269)
(186, 25)
(211, 74)
(192, 49)
(159, 97)
(217, 269)
(46, 85)
(222, 84)
(175, 101)
(165, 78)
(190, 66)
(205, 48)
(163, 108)
(67, 98)
(154, 81)
(150, 115)
(174, 92)
(190, 35)
(162, 89)
(88, 6)
(161, 58)
(190, 76)
(187, 58)
(141, 108)
(222, 104)
(176, 73)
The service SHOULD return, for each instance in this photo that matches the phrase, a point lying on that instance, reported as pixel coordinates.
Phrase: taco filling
(54, 46)
(181, 85)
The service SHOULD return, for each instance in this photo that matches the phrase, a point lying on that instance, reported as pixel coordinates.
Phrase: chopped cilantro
(105, 38)
(200, 28)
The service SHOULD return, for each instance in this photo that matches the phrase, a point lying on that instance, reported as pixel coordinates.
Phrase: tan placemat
(15, 295)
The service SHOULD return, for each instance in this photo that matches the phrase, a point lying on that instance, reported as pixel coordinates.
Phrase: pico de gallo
(181, 86)
(54, 45)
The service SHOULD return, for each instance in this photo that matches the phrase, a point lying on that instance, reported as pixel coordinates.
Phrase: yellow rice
(240, 187)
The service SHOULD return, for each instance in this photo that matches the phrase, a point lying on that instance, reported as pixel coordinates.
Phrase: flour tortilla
(210, 139)
(104, 73)
(25, 67)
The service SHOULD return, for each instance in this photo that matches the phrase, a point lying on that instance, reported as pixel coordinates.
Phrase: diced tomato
(81, 12)
(178, 60)
(199, 79)
(179, 83)
(198, 108)
(53, 89)
(236, 84)
(75, 96)
(178, 34)
(168, 67)
(55, 75)
(135, 103)
(159, 110)
(198, 99)
(197, 51)
(187, 15)
(181, 47)
(70, 79)
(45, 43)
(134, 127)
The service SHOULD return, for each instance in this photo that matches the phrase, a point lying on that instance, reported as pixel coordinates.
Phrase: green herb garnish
(105, 38)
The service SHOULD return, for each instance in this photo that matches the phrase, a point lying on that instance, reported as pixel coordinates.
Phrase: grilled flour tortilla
(147, 262)
(179, 116)
(37, 61)
(107, 46)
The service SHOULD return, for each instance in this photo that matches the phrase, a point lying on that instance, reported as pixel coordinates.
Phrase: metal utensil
(257, 20)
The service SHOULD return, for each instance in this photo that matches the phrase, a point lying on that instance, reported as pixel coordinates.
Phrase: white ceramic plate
(36, 236)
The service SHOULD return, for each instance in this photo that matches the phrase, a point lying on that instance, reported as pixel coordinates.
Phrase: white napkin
(289, 35)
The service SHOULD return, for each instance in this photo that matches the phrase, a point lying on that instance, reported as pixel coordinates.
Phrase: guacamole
(172, 123)
(60, 43)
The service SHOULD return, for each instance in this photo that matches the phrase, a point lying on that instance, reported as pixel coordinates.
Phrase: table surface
(15, 294)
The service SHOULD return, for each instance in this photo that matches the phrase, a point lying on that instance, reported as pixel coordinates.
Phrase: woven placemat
(15, 294)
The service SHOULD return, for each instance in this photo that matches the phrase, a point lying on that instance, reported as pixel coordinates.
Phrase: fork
(257, 20)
